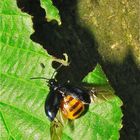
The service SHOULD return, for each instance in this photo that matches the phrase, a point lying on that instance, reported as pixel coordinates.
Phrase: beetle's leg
(62, 92)
(93, 94)
(100, 93)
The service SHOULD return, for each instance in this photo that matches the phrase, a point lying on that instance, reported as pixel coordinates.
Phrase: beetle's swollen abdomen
(71, 107)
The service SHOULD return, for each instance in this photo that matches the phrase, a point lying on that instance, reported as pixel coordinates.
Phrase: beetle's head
(51, 82)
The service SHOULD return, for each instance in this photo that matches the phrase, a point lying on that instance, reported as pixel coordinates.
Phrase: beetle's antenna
(47, 78)
(56, 70)
(39, 78)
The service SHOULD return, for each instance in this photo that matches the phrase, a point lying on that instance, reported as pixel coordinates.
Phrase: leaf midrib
(8, 130)
(24, 112)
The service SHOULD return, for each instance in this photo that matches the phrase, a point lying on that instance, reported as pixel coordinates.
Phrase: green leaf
(96, 77)
(22, 99)
(51, 11)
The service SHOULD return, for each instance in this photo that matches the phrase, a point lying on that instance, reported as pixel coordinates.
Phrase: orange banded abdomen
(71, 107)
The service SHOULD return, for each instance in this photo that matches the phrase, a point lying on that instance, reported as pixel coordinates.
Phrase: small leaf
(51, 11)
(96, 77)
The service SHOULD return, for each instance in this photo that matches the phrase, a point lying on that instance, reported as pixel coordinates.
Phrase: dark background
(82, 49)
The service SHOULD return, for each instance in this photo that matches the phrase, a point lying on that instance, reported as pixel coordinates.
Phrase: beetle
(72, 100)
